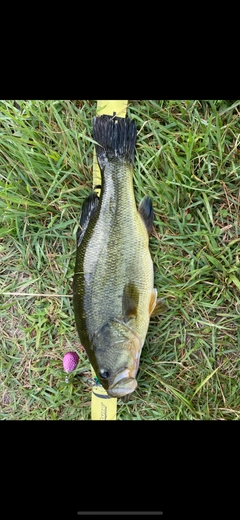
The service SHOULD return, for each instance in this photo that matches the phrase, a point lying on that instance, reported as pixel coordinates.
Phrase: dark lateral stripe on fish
(116, 138)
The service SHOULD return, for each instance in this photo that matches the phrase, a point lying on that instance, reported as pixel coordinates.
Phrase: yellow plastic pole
(103, 407)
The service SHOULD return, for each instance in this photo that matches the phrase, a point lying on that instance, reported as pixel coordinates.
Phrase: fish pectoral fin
(145, 209)
(156, 305)
(160, 307)
(130, 301)
(152, 302)
(89, 207)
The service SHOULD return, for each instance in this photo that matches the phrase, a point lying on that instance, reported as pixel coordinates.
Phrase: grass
(188, 161)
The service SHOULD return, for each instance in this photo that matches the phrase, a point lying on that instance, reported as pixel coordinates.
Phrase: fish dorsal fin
(145, 209)
(130, 301)
(89, 207)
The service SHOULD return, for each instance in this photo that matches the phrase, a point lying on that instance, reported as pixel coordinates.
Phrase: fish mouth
(122, 385)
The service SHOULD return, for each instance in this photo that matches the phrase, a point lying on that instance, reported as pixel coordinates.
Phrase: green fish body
(113, 292)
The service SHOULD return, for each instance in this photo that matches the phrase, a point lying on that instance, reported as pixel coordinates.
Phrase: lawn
(188, 161)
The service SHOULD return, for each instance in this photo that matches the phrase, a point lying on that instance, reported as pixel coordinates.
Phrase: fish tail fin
(116, 138)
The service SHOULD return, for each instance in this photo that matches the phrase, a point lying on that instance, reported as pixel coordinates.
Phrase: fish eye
(104, 373)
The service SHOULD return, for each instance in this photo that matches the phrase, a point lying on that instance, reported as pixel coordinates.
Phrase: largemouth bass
(113, 286)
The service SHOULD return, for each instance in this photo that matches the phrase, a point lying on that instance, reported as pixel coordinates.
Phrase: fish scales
(113, 293)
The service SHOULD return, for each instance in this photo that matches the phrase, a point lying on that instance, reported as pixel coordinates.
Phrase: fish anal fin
(130, 301)
(89, 207)
(145, 209)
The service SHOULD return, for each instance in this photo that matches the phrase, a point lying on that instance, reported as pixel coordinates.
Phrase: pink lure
(70, 361)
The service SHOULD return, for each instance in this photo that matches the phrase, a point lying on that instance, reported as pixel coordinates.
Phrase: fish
(113, 283)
